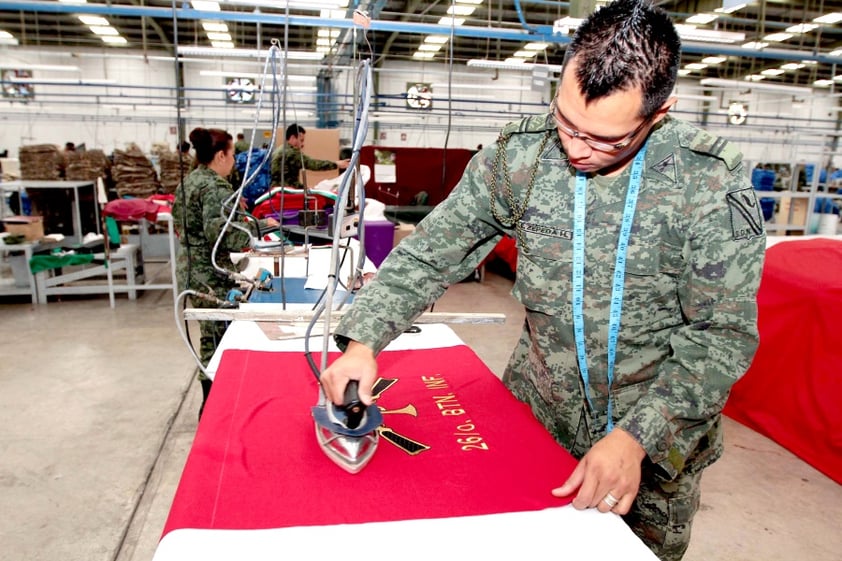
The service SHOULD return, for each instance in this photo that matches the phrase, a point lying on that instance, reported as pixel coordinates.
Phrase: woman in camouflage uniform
(199, 219)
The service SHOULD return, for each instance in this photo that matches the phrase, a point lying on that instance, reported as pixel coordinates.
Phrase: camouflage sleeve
(717, 289)
(317, 165)
(445, 247)
(213, 220)
(276, 168)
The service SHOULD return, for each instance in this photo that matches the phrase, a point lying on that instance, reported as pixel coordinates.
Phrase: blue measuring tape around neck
(616, 310)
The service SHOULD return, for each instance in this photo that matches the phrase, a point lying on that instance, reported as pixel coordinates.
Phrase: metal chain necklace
(500, 167)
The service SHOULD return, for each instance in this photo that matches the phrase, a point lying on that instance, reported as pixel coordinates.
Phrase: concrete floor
(98, 412)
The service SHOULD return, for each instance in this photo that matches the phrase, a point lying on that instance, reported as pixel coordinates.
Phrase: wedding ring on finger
(610, 500)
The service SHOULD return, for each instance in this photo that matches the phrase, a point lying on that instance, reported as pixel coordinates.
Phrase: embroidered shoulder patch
(666, 167)
(746, 219)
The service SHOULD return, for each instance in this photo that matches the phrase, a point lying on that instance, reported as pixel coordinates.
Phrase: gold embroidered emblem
(408, 445)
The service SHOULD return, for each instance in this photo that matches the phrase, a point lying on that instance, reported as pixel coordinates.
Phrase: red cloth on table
(793, 391)
(256, 463)
(132, 209)
(292, 201)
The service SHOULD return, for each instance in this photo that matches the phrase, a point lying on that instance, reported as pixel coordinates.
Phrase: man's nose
(577, 148)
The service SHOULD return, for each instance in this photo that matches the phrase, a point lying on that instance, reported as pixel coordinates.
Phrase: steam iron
(347, 433)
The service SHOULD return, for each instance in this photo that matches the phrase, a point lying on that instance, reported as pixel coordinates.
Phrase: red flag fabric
(791, 392)
(256, 463)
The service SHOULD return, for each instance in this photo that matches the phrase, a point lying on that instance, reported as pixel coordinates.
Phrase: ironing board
(256, 486)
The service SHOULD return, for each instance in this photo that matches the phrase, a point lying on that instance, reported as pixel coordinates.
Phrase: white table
(558, 532)
(26, 248)
(74, 186)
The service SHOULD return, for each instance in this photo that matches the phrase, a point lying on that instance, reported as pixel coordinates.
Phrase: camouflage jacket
(198, 222)
(688, 328)
(294, 161)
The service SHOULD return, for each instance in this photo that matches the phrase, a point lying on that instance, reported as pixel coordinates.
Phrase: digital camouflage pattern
(689, 321)
(198, 205)
(289, 174)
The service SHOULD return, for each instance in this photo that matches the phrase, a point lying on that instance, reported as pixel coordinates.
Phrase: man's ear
(664, 109)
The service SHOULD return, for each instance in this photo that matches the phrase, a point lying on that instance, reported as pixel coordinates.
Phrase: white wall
(139, 106)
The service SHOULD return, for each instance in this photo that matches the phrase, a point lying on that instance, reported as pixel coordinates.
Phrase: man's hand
(611, 467)
(343, 164)
(357, 363)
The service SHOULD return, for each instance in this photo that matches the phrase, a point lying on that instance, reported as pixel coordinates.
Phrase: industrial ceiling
(798, 49)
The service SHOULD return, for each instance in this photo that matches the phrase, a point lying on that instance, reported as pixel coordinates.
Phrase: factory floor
(98, 411)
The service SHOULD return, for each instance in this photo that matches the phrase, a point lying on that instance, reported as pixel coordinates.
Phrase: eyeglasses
(600, 145)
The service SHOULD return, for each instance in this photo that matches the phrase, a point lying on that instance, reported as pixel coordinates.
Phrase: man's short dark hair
(294, 130)
(626, 44)
(241, 136)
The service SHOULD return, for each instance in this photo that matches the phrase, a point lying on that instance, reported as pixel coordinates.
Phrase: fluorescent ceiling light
(103, 30)
(831, 18)
(778, 37)
(696, 66)
(754, 77)
(332, 14)
(741, 85)
(93, 20)
(314, 5)
(222, 44)
(8, 41)
(217, 36)
(482, 87)
(772, 72)
(448, 21)
(701, 19)
(254, 75)
(112, 40)
(50, 67)
(731, 9)
(458, 10)
(755, 45)
(324, 42)
(186, 50)
(429, 47)
(205, 5)
(792, 66)
(714, 59)
(62, 81)
(565, 24)
(523, 53)
(329, 33)
(436, 39)
(536, 46)
(692, 33)
(518, 64)
(6, 35)
(215, 26)
(696, 97)
(802, 28)
(683, 72)
(823, 83)
(423, 54)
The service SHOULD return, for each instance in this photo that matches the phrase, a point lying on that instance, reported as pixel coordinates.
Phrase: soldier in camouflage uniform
(199, 220)
(289, 160)
(687, 287)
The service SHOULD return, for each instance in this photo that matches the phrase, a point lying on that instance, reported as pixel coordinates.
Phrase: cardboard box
(32, 227)
(402, 231)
